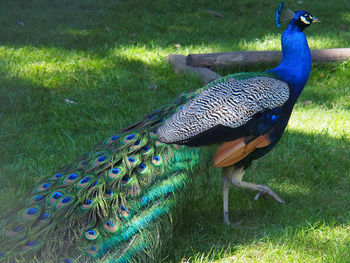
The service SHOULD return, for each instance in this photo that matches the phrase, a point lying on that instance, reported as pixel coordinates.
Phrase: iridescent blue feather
(278, 15)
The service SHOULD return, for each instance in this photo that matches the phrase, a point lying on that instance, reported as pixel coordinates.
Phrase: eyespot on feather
(100, 160)
(16, 231)
(152, 134)
(53, 197)
(110, 225)
(31, 246)
(139, 143)
(64, 201)
(81, 164)
(108, 194)
(142, 168)
(112, 139)
(133, 161)
(87, 204)
(37, 198)
(83, 182)
(125, 179)
(92, 250)
(57, 176)
(92, 234)
(179, 108)
(71, 178)
(96, 183)
(44, 216)
(124, 212)
(29, 214)
(157, 160)
(43, 187)
(43, 219)
(129, 138)
(146, 150)
(115, 173)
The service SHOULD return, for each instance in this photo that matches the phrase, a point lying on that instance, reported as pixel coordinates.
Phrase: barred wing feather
(231, 103)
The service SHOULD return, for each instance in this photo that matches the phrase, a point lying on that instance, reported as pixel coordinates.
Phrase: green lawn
(73, 72)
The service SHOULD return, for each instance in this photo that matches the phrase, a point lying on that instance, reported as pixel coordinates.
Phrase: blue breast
(296, 63)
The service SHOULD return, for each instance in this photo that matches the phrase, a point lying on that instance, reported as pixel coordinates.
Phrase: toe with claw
(267, 191)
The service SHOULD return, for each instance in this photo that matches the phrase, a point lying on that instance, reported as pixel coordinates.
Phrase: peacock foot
(261, 189)
(267, 191)
(234, 176)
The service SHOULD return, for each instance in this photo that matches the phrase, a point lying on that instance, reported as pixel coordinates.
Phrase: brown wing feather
(231, 152)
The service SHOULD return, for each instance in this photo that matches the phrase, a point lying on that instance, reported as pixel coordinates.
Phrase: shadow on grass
(97, 26)
(96, 29)
(310, 172)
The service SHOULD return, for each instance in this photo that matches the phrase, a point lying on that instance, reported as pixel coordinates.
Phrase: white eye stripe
(302, 18)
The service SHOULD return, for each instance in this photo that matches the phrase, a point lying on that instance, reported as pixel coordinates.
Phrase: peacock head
(301, 19)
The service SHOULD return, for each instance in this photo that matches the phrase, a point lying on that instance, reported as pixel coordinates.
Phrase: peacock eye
(305, 20)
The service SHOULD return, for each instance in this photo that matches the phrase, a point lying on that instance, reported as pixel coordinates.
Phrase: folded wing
(228, 104)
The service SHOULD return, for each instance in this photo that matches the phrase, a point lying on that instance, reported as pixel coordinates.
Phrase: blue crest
(278, 15)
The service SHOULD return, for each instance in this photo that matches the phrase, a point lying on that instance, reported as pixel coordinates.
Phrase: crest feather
(283, 14)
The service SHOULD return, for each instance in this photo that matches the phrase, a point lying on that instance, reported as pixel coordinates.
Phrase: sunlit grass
(317, 120)
(319, 243)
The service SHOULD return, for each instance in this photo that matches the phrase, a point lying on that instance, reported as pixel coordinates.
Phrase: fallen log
(179, 64)
(250, 58)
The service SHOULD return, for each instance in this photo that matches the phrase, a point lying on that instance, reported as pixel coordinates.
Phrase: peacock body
(111, 203)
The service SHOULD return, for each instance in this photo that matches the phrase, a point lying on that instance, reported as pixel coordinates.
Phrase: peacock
(112, 203)
(247, 113)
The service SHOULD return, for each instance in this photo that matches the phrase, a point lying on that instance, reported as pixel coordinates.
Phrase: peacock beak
(315, 20)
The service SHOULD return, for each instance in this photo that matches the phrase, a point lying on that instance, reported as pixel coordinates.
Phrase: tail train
(108, 205)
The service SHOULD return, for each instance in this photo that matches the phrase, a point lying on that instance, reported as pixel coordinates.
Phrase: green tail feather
(110, 205)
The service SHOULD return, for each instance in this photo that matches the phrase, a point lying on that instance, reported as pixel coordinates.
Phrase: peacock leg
(226, 172)
(236, 179)
(233, 175)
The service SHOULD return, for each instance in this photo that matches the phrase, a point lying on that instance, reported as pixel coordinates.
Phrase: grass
(109, 56)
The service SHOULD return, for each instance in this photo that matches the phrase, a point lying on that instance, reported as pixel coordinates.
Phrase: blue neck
(296, 62)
